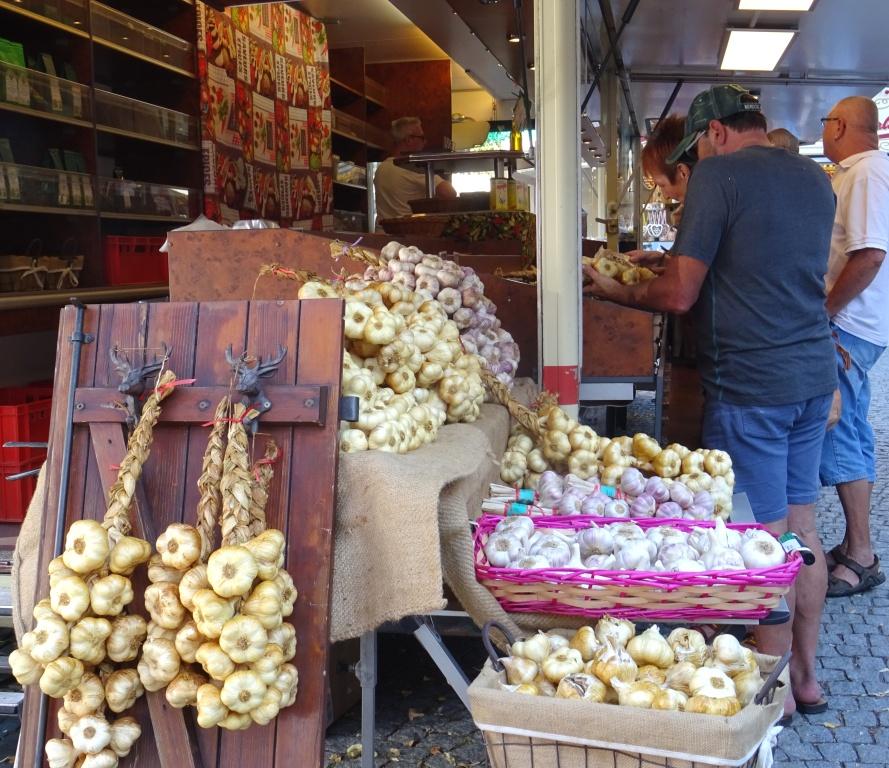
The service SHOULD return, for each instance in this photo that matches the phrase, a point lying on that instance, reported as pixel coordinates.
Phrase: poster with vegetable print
(266, 119)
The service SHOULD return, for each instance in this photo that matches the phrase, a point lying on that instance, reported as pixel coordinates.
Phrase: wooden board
(301, 503)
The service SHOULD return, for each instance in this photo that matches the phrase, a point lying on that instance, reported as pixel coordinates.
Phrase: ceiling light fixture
(755, 50)
(513, 37)
(775, 5)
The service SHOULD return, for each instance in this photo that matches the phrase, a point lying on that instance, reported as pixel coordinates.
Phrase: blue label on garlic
(526, 495)
(517, 509)
(608, 490)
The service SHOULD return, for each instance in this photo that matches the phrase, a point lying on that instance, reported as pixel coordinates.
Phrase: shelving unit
(99, 132)
(355, 98)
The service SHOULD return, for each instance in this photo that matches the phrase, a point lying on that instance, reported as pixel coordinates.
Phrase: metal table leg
(438, 652)
(366, 672)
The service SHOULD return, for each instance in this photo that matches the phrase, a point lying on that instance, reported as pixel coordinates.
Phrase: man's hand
(650, 259)
(859, 272)
(600, 287)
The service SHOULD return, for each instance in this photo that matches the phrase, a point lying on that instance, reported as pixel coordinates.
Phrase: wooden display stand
(304, 397)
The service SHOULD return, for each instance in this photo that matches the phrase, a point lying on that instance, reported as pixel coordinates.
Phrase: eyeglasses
(828, 119)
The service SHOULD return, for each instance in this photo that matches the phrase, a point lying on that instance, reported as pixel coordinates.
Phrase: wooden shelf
(350, 89)
(349, 185)
(146, 137)
(143, 217)
(30, 11)
(58, 210)
(142, 57)
(86, 295)
(54, 116)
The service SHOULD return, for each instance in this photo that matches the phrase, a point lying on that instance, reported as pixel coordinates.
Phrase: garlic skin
(639, 694)
(87, 697)
(127, 635)
(182, 690)
(618, 631)
(582, 687)
(705, 705)
(269, 663)
(122, 688)
(128, 554)
(288, 592)
(192, 580)
(231, 571)
(679, 676)
(86, 546)
(91, 734)
(762, 553)
(747, 685)
(652, 674)
(70, 597)
(211, 612)
(60, 753)
(47, 641)
(211, 710)
(125, 731)
(633, 556)
(268, 708)
(162, 602)
(242, 691)
(285, 637)
(536, 648)
(43, 609)
(556, 641)
(613, 662)
(215, 661)
(671, 699)
(519, 670)
(24, 668)
(66, 720)
(565, 661)
(188, 640)
(688, 645)
(651, 648)
(60, 676)
(159, 663)
(287, 683)
(723, 559)
(585, 642)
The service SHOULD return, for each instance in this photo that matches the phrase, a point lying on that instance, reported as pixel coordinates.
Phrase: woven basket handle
(489, 646)
(767, 692)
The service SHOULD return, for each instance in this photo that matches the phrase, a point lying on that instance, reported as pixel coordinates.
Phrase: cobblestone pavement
(422, 724)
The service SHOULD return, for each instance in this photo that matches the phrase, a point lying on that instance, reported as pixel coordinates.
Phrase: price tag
(517, 509)
(792, 543)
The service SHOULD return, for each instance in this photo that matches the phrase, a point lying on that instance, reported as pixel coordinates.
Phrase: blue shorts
(848, 452)
(775, 450)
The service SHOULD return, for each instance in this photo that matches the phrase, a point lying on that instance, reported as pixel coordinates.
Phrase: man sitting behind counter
(397, 181)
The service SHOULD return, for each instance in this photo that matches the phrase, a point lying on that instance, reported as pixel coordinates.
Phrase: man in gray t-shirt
(749, 262)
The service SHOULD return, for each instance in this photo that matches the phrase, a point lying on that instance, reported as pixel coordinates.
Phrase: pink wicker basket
(638, 595)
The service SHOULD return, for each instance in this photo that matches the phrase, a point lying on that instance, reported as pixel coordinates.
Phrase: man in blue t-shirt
(749, 263)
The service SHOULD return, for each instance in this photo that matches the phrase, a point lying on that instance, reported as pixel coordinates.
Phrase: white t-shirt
(394, 186)
(861, 184)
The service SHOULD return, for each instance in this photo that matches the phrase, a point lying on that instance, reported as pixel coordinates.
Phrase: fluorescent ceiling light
(757, 50)
(775, 5)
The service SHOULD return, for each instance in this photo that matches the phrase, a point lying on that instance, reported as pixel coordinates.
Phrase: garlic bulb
(24, 668)
(723, 559)
(43, 609)
(613, 662)
(269, 663)
(70, 597)
(711, 683)
(643, 505)
(182, 691)
(244, 639)
(91, 734)
(618, 631)
(211, 710)
(519, 670)
(652, 674)
(285, 637)
(159, 663)
(536, 648)
(236, 721)
(518, 525)
(268, 551)
(125, 731)
(288, 592)
(104, 759)
(231, 571)
(214, 660)
(706, 705)
(747, 685)
(679, 676)
(158, 572)
(565, 661)
(47, 641)
(595, 541)
(60, 676)
(86, 546)
(111, 594)
(122, 688)
(126, 638)
(211, 612)
(582, 687)
(192, 580)
(688, 645)
(585, 642)
(651, 648)
(634, 555)
(287, 683)
(556, 640)
(594, 504)
(242, 691)
(502, 548)
(669, 698)
(762, 553)
(60, 753)
(556, 551)
(617, 508)
(639, 694)
(267, 710)
(66, 720)
(264, 604)
(87, 697)
(129, 553)
(162, 602)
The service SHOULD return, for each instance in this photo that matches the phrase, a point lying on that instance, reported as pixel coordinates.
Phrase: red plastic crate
(24, 418)
(15, 495)
(133, 260)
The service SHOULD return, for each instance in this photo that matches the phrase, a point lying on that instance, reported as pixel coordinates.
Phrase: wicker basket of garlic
(605, 694)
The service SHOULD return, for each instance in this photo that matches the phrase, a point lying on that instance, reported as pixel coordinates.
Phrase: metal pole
(367, 676)
(77, 340)
(611, 121)
(556, 53)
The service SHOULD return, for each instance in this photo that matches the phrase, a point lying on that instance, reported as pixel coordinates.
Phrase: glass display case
(69, 13)
(122, 198)
(27, 90)
(45, 189)
(139, 119)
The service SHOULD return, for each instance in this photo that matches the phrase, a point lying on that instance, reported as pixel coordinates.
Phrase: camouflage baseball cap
(713, 104)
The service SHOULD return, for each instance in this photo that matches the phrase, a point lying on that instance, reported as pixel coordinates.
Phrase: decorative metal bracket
(135, 378)
(247, 381)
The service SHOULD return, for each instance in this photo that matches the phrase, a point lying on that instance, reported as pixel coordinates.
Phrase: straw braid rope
(120, 496)
(339, 249)
(524, 416)
(210, 502)
(263, 473)
(236, 486)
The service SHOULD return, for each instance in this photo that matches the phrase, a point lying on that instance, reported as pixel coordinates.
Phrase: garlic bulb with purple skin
(632, 482)
(595, 541)
(600, 563)
(669, 510)
(703, 499)
(681, 495)
(569, 503)
(502, 548)
(594, 504)
(617, 508)
(643, 506)
(656, 487)
(695, 512)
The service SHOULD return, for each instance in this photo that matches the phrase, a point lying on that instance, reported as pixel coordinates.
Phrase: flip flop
(868, 577)
(815, 708)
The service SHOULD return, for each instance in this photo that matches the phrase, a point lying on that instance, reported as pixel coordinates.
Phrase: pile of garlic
(567, 447)
(517, 542)
(462, 295)
(635, 496)
(405, 362)
(619, 267)
(612, 664)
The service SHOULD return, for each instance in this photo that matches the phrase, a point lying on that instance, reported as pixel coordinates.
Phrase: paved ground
(422, 723)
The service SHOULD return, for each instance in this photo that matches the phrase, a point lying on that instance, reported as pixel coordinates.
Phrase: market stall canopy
(839, 51)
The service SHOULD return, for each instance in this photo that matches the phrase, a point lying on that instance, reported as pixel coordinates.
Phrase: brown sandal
(868, 577)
